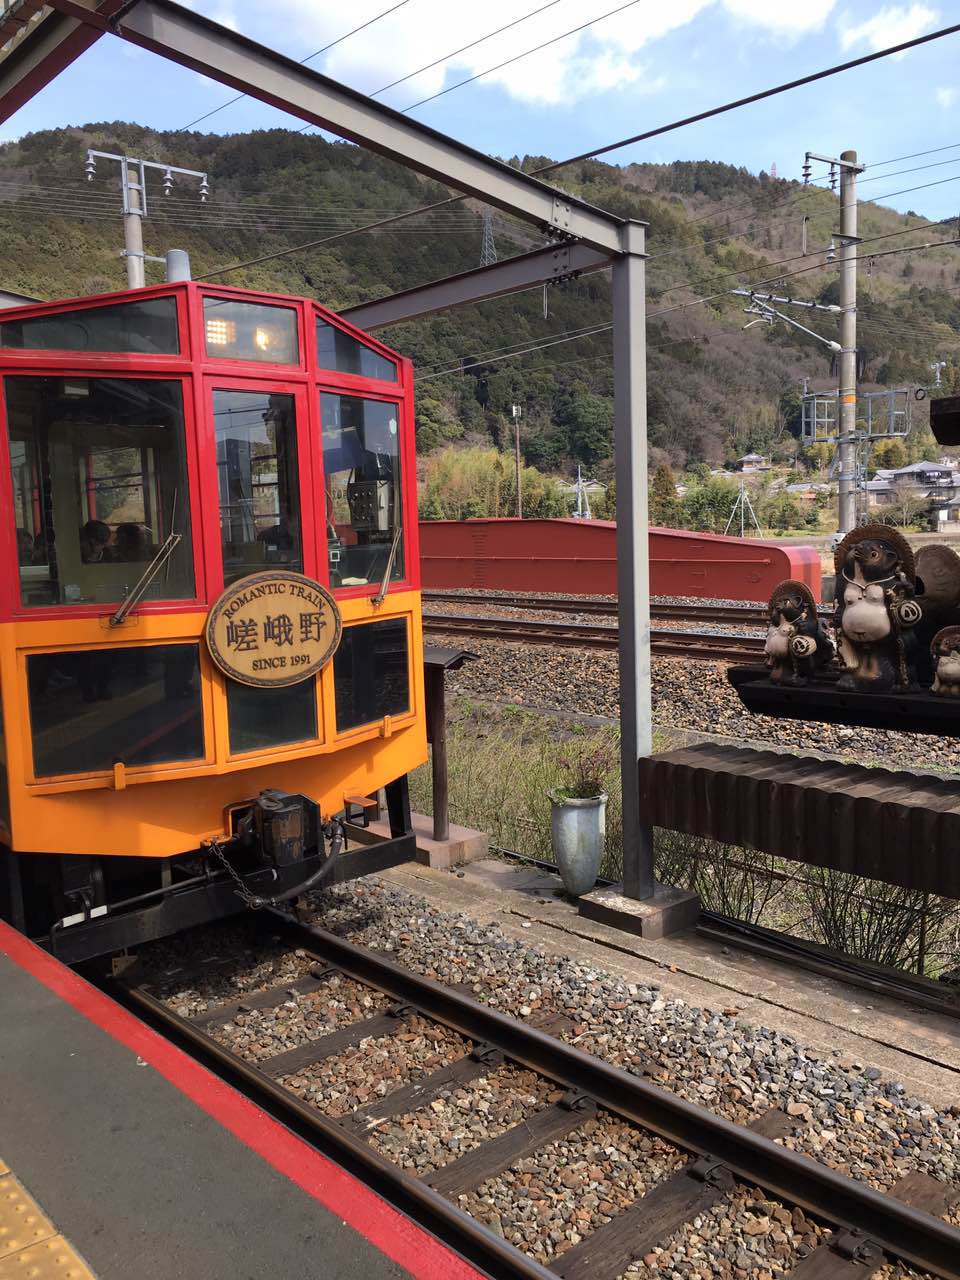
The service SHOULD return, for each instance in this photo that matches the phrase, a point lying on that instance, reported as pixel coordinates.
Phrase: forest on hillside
(715, 389)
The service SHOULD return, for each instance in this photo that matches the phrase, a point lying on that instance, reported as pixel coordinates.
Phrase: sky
(631, 67)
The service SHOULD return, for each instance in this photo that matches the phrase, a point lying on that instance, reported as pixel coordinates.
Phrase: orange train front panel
(158, 744)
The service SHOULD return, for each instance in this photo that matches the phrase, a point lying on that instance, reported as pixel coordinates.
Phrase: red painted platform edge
(396, 1236)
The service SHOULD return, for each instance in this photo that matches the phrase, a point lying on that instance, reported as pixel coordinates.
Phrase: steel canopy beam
(555, 262)
(214, 51)
(43, 47)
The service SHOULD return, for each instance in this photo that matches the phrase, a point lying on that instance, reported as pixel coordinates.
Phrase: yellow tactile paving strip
(31, 1248)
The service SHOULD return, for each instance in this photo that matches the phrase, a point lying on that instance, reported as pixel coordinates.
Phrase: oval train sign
(273, 628)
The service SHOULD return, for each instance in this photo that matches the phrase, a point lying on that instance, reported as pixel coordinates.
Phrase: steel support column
(633, 554)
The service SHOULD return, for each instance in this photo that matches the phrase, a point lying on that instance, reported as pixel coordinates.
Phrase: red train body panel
(579, 557)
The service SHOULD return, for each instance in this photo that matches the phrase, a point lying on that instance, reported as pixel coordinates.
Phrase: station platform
(121, 1157)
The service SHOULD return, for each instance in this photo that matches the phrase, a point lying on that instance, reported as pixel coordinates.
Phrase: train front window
(139, 704)
(361, 464)
(99, 484)
(147, 326)
(250, 331)
(338, 350)
(256, 435)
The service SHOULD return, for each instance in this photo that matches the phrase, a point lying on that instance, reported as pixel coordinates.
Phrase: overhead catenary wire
(441, 204)
(517, 57)
(735, 105)
(573, 336)
(303, 61)
(782, 88)
(452, 54)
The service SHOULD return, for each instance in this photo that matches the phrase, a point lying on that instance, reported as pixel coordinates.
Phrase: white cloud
(608, 54)
(783, 17)
(892, 25)
(947, 97)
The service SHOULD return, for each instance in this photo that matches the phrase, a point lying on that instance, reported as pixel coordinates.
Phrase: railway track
(709, 1156)
(588, 635)
(738, 615)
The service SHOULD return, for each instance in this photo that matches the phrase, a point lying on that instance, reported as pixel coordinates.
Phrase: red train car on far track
(579, 557)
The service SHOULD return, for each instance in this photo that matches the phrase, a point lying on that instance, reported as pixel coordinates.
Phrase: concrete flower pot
(579, 831)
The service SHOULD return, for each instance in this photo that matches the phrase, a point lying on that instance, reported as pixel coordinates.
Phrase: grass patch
(504, 762)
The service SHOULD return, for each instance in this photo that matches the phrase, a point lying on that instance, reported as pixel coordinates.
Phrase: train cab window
(361, 464)
(338, 350)
(264, 718)
(148, 327)
(90, 707)
(250, 331)
(370, 673)
(99, 484)
(256, 434)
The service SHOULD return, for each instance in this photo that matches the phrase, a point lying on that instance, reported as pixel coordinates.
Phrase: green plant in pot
(578, 816)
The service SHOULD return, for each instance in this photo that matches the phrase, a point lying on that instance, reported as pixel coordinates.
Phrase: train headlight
(221, 333)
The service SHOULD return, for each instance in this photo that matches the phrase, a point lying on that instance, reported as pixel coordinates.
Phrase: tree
(889, 455)
(460, 484)
(819, 454)
(664, 505)
(707, 506)
(588, 419)
(780, 511)
(908, 507)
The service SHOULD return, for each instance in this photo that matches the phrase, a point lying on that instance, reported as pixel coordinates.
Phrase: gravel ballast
(687, 695)
(845, 1113)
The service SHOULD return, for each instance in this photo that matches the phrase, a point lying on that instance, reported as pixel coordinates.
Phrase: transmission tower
(488, 250)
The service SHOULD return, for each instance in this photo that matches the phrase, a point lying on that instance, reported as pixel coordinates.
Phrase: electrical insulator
(807, 170)
(167, 182)
(832, 251)
(833, 178)
(204, 191)
(90, 168)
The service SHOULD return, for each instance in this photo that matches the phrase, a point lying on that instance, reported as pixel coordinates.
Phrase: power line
(497, 354)
(516, 58)
(315, 244)
(447, 56)
(914, 155)
(766, 93)
(303, 61)
(753, 97)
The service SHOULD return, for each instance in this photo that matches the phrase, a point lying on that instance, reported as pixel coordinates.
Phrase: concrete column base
(669, 911)
(462, 845)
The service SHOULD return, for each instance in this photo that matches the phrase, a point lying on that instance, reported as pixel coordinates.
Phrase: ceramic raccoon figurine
(797, 645)
(875, 610)
(945, 650)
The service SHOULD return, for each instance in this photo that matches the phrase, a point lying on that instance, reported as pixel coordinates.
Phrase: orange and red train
(210, 632)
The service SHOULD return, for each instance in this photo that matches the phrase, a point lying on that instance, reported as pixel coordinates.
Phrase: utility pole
(847, 395)
(133, 184)
(517, 415)
(133, 192)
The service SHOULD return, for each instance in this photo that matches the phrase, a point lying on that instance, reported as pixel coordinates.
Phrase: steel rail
(740, 615)
(902, 1231)
(468, 1237)
(682, 644)
(746, 615)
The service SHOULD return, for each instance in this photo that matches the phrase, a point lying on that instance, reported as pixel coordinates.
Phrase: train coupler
(279, 832)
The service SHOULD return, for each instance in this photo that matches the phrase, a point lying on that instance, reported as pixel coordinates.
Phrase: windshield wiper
(388, 572)
(148, 575)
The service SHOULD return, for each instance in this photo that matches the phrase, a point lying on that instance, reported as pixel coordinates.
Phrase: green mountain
(716, 389)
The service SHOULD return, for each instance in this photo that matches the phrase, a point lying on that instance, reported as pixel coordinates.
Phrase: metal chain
(248, 897)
